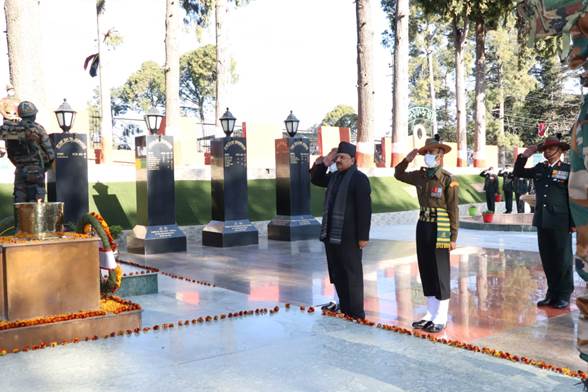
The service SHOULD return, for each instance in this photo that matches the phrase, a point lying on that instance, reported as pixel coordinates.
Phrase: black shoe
(544, 302)
(422, 324)
(434, 328)
(560, 304)
(331, 306)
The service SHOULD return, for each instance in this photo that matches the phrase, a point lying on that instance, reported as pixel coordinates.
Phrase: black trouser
(433, 263)
(346, 272)
(520, 203)
(508, 201)
(490, 201)
(555, 249)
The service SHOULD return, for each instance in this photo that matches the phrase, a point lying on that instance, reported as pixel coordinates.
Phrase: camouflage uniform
(30, 151)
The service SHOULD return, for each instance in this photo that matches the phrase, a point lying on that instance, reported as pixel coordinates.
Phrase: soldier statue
(30, 151)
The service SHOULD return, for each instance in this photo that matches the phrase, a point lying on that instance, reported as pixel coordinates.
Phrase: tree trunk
(480, 133)
(172, 69)
(23, 20)
(400, 98)
(104, 89)
(365, 85)
(460, 98)
(432, 92)
(223, 65)
(501, 146)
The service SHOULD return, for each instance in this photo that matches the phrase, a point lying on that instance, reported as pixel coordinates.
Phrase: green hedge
(116, 201)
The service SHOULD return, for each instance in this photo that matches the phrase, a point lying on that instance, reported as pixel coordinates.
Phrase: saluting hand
(328, 160)
(411, 155)
(319, 160)
(362, 244)
(529, 151)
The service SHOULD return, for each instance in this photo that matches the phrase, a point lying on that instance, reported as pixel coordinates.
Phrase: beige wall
(261, 148)
(330, 137)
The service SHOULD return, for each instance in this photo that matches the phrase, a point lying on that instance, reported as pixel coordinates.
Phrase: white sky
(295, 55)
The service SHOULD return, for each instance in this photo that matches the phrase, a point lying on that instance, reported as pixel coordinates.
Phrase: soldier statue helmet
(27, 109)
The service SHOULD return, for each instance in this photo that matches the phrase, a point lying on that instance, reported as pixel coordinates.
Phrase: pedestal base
(229, 233)
(293, 228)
(150, 240)
(71, 329)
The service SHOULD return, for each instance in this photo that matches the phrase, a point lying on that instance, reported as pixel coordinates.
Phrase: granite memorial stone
(68, 178)
(230, 224)
(294, 220)
(156, 230)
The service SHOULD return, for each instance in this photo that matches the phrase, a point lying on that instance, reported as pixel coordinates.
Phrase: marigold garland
(111, 304)
(137, 331)
(465, 346)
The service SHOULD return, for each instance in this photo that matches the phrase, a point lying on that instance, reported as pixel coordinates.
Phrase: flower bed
(111, 304)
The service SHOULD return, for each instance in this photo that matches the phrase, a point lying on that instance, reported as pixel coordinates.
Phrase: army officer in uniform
(436, 231)
(552, 218)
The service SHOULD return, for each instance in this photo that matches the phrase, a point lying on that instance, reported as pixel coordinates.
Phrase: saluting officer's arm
(519, 168)
(452, 197)
(401, 175)
(319, 176)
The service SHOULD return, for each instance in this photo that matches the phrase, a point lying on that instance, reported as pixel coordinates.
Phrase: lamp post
(291, 124)
(153, 120)
(65, 116)
(228, 122)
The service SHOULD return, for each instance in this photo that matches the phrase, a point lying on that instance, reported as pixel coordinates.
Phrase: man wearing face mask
(346, 224)
(490, 187)
(552, 218)
(436, 232)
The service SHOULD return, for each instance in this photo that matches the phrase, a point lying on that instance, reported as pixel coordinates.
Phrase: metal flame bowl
(38, 221)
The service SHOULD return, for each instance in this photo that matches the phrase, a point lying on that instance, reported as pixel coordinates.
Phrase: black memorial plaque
(230, 225)
(68, 177)
(294, 220)
(156, 230)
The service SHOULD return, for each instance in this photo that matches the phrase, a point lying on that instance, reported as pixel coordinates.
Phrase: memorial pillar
(230, 224)
(156, 230)
(294, 220)
(68, 177)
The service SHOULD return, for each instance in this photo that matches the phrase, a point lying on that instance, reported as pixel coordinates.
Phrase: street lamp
(228, 123)
(65, 116)
(153, 120)
(291, 124)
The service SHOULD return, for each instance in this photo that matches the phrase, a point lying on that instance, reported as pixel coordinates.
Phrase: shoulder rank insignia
(453, 184)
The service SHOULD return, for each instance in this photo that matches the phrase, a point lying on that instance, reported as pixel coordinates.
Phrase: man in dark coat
(490, 187)
(552, 218)
(346, 224)
(521, 186)
(507, 187)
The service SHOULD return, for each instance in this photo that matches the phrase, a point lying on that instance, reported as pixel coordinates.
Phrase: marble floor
(286, 351)
(496, 279)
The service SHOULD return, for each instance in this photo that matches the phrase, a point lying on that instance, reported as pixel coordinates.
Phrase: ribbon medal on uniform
(560, 175)
(437, 192)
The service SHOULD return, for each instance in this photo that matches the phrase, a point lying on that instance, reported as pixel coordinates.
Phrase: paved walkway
(496, 278)
(287, 351)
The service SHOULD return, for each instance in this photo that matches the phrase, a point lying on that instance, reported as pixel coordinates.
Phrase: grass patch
(117, 201)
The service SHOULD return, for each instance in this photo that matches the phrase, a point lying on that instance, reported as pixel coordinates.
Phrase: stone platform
(18, 338)
(42, 278)
(501, 222)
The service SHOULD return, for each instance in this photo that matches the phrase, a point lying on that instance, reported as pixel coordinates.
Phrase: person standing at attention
(346, 224)
(436, 232)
